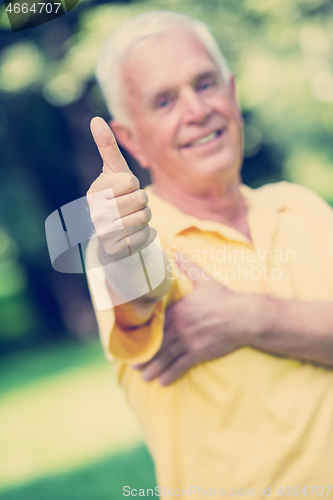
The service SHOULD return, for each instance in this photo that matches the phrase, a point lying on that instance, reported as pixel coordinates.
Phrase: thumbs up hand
(118, 207)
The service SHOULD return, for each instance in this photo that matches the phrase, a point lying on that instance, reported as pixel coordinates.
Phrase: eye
(163, 102)
(205, 84)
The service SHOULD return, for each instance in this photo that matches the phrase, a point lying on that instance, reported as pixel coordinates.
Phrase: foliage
(281, 54)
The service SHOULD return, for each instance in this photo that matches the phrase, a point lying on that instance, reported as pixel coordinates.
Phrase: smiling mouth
(204, 140)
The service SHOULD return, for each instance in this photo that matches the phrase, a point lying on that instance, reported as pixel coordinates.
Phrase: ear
(232, 91)
(126, 138)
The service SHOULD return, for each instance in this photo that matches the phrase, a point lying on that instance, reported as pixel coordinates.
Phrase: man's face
(186, 120)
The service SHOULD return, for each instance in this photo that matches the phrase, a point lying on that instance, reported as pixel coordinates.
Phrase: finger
(162, 360)
(121, 184)
(111, 225)
(171, 318)
(113, 160)
(132, 202)
(127, 244)
(194, 272)
(140, 366)
(175, 370)
(134, 222)
(169, 338)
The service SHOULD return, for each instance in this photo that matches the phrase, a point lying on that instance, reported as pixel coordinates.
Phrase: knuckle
(142, 197)
(148, 213)
(129, 181)
(142, 218)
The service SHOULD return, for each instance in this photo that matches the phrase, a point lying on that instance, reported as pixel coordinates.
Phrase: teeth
(207, 138)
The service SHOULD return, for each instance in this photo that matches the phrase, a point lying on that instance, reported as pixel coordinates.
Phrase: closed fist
(118, 207)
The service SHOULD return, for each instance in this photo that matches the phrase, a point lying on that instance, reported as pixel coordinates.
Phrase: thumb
(113, 160)
(194, 272)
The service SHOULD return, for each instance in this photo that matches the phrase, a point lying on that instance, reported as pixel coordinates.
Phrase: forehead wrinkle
(172, 90)
(130, 76)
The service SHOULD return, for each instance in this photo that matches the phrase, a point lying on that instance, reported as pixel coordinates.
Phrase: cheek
(160, 141)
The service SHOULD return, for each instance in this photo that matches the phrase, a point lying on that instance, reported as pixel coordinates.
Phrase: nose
(195, 109)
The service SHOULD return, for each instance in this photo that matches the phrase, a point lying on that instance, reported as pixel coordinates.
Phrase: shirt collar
(176, 222)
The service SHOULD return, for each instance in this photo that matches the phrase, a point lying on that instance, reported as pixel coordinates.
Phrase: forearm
(296, 329)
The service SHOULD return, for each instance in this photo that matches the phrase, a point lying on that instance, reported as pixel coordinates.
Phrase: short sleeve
(316, 212)
(310, 205)
(129, 345)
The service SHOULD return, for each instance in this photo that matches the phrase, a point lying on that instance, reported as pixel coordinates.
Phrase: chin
(213, 170)
(222, 160)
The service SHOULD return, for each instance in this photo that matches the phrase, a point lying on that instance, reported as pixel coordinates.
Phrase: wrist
(257, 315)
(266, 313)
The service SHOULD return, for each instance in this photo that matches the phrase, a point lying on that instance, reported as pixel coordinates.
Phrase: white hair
(114, 51)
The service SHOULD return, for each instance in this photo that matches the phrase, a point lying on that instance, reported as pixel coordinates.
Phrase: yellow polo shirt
(248, 420)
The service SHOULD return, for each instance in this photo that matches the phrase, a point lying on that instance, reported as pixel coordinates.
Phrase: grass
(24, 368)
(103, 480)
(65, 428)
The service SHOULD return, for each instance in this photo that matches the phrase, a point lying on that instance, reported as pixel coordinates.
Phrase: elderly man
(227, 363)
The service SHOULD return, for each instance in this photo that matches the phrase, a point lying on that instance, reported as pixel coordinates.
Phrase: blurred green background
(65, 430)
